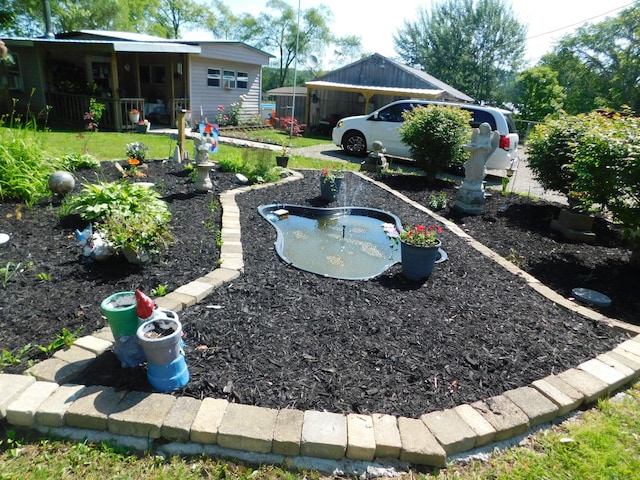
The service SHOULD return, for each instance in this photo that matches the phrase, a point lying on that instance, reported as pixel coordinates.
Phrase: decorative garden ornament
(470, 196)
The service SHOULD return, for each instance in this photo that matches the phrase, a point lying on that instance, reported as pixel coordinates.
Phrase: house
(122, 70)
(368, 84)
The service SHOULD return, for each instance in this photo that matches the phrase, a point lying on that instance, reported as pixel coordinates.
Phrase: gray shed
(368, 84)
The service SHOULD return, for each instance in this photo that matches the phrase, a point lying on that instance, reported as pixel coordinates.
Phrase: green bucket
(120, 311)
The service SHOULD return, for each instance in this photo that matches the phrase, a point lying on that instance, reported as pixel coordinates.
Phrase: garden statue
(93, 245)
(376, 160)
(483, 143)
(470, 196)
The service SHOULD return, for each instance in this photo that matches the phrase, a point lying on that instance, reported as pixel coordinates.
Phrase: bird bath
(347, 242)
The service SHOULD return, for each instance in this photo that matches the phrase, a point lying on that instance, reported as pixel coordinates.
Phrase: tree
(278, 33)
(474, 46)
(599, 64)
(538, 93)
(174, 14)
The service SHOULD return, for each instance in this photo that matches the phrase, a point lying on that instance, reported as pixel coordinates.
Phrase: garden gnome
(470, 196)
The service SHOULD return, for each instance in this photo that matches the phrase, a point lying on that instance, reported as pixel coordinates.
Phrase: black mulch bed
(279, 337)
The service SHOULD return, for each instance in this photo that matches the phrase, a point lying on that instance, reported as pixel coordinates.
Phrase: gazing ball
(61, 182)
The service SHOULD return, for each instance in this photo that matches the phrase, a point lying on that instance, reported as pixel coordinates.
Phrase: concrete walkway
(47, 400)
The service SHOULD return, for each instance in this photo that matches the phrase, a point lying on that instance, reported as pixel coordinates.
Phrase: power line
(580, 22)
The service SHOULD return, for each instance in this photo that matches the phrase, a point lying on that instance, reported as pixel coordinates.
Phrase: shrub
(128, 215)
(435, 135)
(595, 160)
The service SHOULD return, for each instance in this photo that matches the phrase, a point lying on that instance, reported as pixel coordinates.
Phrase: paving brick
(52, 411)
(140, 414)
(222, 275)
(23, 409)
(204, 428)
(419, 446)
(231, 247)
(361, 442)
(287, 433)
(631, 346)
(177, 424)
(630, 363)
(563, 395)
(613, 361)
(485, 433)
(104, 333)
(11, 387)
(609, 375)
(387, 436)
(324, 435)
(450, 430)
(534, 404)
(57, 370)
(178, 298)
(504, 416)
(247, 427)
(168, 302)
(92, 408)
(199, 290)
(93, 344)
(591, 387)
(628, 355)
(75, 354)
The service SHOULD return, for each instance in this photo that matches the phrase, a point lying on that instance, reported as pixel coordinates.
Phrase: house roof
(121, 45)
(287, 92)
(415, 92)
(430, 82)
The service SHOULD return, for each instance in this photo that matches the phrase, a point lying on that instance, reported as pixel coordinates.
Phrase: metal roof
(343, 87)
(117, 46)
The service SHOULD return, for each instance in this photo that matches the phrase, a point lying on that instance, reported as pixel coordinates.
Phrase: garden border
(47, 400)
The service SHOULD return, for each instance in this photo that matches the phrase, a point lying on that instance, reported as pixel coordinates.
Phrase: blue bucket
(166, 378)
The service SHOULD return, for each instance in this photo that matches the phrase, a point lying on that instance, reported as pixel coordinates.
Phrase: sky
(547, 20)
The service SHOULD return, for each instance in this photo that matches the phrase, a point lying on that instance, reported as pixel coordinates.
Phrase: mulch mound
(283, 338)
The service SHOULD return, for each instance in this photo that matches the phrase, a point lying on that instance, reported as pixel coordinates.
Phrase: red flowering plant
(419, 235)
(329, 174)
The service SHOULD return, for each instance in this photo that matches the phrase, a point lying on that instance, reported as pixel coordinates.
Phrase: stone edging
(46, 400)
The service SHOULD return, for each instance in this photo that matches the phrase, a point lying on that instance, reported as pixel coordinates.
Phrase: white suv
(357, 134)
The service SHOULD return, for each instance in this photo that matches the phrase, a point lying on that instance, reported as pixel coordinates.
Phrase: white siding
(206, 99)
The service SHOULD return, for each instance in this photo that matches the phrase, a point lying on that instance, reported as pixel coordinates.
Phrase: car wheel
(355, 144)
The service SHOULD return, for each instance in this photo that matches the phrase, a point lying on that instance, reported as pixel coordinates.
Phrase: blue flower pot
(418, 262)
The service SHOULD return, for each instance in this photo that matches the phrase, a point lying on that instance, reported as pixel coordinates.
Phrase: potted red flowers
(418, 249)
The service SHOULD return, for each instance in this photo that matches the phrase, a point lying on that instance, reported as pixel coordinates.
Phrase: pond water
(345, 242)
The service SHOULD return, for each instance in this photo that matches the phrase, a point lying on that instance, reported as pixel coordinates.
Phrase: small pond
(344, 242)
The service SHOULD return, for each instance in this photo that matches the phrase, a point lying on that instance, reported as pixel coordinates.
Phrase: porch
(69, 109)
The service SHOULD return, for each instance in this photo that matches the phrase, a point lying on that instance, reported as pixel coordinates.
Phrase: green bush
(435, 135)
(595, 160)
(127, 215)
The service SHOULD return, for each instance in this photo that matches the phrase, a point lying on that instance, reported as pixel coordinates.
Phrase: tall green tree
(174, 15)
(599, 64)
(475, 46)
(538, 93)
(279, 31)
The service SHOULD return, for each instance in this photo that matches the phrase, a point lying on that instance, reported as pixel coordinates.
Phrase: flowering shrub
(137, 151)
(328, 174)
(297, 129)
(420, 235)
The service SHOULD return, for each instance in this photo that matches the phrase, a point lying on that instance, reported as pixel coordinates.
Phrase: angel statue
(482, 145)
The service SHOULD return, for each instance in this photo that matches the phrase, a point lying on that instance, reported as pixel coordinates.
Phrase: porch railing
(70, 109)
